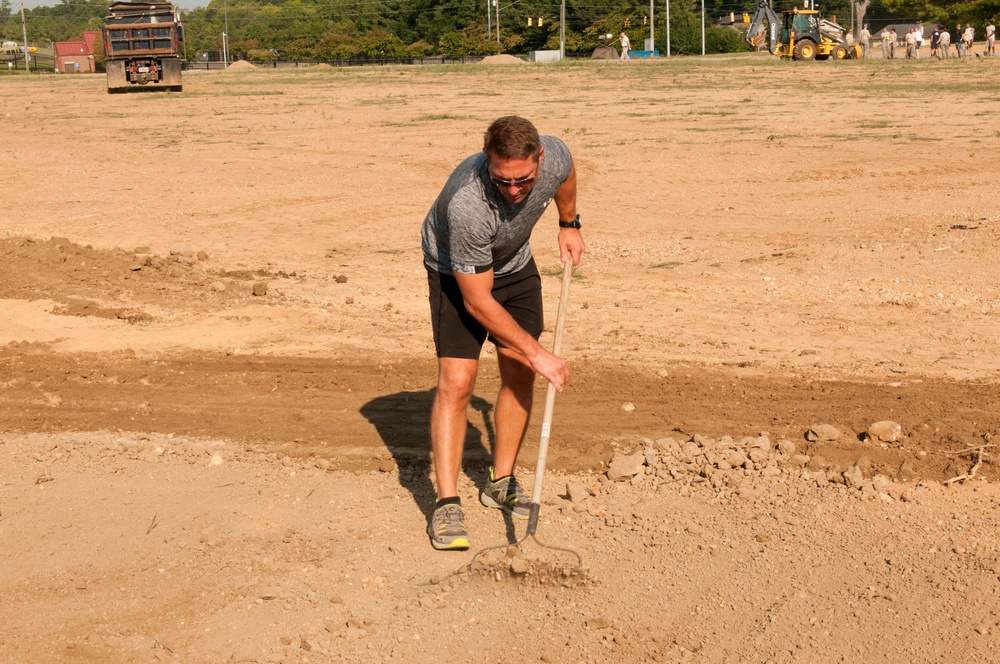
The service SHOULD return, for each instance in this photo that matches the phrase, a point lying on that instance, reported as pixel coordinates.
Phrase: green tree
(336, 46)
(99, 56)
(382, 44)
(923, 9)
(419, 49)
(298, 49)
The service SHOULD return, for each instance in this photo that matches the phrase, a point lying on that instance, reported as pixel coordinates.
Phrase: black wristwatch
(570, 224)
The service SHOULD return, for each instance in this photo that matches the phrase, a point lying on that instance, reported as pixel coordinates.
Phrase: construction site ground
(216, 367)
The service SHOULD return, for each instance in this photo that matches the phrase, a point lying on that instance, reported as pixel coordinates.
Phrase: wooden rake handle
(550, 402)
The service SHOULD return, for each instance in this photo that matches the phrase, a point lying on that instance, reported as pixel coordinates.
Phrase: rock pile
(742, 467)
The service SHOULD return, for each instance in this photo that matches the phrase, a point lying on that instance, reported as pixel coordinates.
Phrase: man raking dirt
(484, 284)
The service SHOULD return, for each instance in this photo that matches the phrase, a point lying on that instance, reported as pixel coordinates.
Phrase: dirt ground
(216, 368)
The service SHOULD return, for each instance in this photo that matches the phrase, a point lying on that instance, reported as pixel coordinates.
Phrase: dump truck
(801, 34)
(142, 46)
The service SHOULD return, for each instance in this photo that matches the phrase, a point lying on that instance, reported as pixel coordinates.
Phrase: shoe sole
(457, 544)
(487, 500)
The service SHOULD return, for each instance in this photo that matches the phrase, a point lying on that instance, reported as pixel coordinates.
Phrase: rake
(543, 446)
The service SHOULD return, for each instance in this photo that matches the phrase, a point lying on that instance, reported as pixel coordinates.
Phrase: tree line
(342, 29)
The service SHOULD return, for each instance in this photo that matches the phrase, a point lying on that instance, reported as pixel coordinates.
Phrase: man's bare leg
(517, 380)
(456, 381)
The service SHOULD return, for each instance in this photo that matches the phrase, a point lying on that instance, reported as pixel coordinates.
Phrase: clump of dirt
(534, 566)
(241, 64)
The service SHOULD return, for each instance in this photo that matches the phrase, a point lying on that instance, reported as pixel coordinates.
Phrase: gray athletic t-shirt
(471, 227)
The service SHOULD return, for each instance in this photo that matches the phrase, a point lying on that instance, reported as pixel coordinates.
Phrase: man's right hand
(552, 368)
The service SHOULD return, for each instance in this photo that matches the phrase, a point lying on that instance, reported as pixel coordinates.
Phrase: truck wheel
(839, 53)
(805, 50)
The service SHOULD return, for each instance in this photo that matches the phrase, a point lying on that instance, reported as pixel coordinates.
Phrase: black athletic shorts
(458, 334)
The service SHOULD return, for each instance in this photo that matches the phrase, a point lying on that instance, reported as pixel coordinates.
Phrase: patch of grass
(439, 116)
(669, 265)
(391, 252)
(383, 101)
(874, 124)
(720, 113)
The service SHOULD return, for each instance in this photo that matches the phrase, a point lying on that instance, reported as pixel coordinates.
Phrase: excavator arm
(765, 15)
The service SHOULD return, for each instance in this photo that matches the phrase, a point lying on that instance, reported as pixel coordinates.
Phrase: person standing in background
(944, 42)
(626, 46)
(911, 43)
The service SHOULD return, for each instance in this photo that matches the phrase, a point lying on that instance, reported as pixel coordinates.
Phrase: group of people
(941, 41)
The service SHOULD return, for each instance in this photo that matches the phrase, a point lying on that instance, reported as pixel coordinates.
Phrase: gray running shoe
(505, 494)
(447, 529)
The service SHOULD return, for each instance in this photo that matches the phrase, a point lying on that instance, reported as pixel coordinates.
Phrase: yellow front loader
(801, 34)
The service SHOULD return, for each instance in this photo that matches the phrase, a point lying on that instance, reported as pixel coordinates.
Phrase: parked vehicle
(142, 46)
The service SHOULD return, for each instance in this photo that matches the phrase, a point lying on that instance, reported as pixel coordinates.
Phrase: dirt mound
(502, 59)
(116, 283)
(241, 64)
(322, 67)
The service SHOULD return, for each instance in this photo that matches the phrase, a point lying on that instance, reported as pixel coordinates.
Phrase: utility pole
(652, 38)
(225, 35)
(703, 27)
(497, 3)
(667, 3)
(24, 34)
(562, 30)
(489, 21)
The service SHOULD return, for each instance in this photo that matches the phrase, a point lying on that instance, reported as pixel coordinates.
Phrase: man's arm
(477, 294)
(570, 239)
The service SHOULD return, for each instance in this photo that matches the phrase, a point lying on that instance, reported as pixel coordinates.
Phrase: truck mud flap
(171, 74)
(117, 82)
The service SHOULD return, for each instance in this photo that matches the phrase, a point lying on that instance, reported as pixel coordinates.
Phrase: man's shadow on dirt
(403, 422)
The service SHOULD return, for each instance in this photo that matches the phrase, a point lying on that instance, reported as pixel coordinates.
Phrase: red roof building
(75, 57)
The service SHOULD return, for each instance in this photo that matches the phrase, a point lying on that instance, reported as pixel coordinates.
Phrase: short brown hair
(511, 137)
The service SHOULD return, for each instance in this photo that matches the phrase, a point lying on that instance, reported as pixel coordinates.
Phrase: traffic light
(529, 21)
(628, 23)
(645, 20)
(539, 21)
